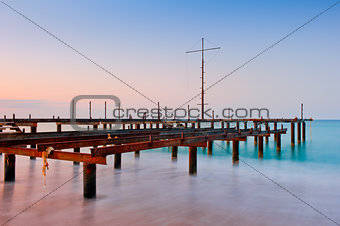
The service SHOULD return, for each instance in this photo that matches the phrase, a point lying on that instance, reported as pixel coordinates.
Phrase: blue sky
(144, 43)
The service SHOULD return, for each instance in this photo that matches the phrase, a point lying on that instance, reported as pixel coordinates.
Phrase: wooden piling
(275, 128)
(255, 140)
(59, 128)
(292, 134)
(237, 125)
(267, 129)
(209, 147)
(104, 126)
(95, 127)
(9, 164)
(118, 161)
(278, 142)
(33, 130)
(76, 150)
(235, 151)
(192, 160)
(245, 125)
(174, 151)
(260, 152)
(89, 180)
(299, 132)
(303, 131)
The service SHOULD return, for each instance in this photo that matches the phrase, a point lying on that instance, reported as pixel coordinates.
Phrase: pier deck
(132, 136)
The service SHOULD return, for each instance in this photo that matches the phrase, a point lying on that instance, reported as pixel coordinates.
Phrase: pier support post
(292, 134)
(89, 180)
(193, 125)
(275, 128)
(137, 154)
(9, 163)
(255, 140)
(260, 154)
(267, 129)
(95, 127)
(299, 132)
(123, 126)
(278, 142)
(228, 125)
(104, 126)
(33, 130)
(59, 128)
(209, 147)
(76, 150)
(222, 124)
(118, 161)
(174, 151)
(192, 160)
(237, 125)
(303, 131)
(245, 125)
(235, 151)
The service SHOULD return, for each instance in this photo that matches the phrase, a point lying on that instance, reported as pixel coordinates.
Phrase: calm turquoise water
(154, 190)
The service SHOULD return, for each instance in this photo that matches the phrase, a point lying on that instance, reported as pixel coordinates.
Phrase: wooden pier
(133, 135)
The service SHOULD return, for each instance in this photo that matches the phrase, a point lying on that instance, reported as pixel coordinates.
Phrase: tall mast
(202, 92)
(202, 76)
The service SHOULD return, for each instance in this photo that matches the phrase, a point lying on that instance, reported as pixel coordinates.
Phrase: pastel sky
(144, 44)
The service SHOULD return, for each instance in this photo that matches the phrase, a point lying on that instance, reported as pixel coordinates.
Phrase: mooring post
(260, 154)
(235, 151)
(9, 163)
(76, 150)
(292, 133)
(278, 142)
(303, 131)
(33, 130)
(299, 132)
(118, 161)
(174, 151)
(137, 154)
(192, 160)
(210, 147)
(89, 180)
